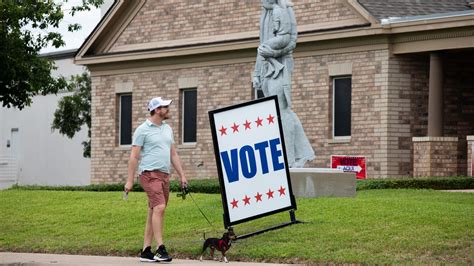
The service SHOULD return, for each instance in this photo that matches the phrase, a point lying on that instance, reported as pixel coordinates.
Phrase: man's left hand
(184, 181)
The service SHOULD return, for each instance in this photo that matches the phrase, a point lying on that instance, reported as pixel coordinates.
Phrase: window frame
(347, 137)
(183, 92)
(120, 95)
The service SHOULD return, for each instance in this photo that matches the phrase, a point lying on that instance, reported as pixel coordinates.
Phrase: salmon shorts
(157, 187)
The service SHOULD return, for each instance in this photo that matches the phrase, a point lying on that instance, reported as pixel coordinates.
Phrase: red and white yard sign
(354, 164)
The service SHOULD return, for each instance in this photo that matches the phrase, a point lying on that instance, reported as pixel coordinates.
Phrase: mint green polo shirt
(156, 144)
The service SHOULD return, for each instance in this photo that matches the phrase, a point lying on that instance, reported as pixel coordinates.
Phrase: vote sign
(251, 160)
(354, 164)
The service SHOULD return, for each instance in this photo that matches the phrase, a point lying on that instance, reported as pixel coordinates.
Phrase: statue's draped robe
(298, 148)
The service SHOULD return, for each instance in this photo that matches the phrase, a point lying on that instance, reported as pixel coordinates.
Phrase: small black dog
(222, 244)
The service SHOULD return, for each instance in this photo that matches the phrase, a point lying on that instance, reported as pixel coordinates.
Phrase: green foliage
(209, 186)
(410, 227)
(75, 111)
(212, 185)
(23, 73)
(194, 186)
(91, 188)
(417, 183)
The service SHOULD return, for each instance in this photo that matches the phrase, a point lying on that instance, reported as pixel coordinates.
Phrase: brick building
(401, 69)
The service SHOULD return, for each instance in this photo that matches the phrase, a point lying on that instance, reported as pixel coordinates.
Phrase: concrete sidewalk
(9, 258)
(460, 190)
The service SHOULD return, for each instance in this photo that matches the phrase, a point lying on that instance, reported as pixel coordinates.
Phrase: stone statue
(273, 71)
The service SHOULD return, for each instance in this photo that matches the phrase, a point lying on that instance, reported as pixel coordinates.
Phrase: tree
(24, 73)
(75, 110)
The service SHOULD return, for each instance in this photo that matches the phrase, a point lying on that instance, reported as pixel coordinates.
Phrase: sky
(87, 19)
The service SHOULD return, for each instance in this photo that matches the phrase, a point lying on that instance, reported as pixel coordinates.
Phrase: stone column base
(435, 156)
(470, 151)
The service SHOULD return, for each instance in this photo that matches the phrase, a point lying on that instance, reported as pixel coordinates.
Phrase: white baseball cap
(158, 102)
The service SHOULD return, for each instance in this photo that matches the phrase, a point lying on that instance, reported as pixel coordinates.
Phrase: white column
(435, 101)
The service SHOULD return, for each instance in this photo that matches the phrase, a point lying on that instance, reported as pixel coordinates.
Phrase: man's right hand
(128, 186)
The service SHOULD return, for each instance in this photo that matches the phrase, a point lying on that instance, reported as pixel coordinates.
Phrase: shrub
(417, 183)
(211, 186)
(195, 186)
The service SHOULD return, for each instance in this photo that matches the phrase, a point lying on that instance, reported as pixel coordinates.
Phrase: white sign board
(251, 160)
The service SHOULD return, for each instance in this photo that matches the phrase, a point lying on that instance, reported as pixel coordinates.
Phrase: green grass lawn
(378, 226)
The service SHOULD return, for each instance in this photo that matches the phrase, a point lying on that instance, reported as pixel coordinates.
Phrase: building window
(125, 119)
(342, 90)
(189, 115)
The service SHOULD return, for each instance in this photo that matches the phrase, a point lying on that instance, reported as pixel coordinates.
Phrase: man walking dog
(153, 147)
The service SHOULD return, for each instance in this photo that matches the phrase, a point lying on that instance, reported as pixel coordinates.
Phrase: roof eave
(425, 18)
(248, 42)
(430, 22)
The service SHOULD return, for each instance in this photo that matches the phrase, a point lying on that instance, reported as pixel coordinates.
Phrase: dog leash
(197, 206)
(184, 192)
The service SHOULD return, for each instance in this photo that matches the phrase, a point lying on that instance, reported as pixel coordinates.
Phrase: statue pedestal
(322, 182)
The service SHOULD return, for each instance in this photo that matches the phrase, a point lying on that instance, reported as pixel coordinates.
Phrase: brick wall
(224, 85)
(389, 107)
(458, 89)
(178, 19)
(459, 101)
(435, 156)
(312, 100)
(218, 86)
(408, 77)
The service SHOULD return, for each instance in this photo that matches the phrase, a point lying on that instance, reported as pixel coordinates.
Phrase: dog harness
(222, 245)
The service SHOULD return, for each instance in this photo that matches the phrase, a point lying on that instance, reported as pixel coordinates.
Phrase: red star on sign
(235, 128)
(223, 130)
(234, 203)
(259, 122)
(246, 200)
(270, 119)
(270, 193)
(282, 190)
(247, 125)
(258, 197)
